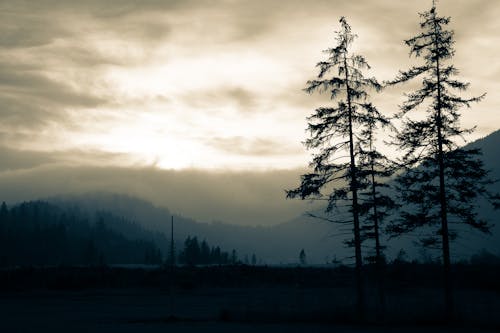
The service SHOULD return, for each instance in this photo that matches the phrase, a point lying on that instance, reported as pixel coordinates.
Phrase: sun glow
(169, 115)
(168, 138)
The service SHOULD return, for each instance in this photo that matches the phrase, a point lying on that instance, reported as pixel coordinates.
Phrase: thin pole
(172, 254)
(172, 266)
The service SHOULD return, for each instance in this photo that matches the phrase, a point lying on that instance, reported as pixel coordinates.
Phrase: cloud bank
(205, 84)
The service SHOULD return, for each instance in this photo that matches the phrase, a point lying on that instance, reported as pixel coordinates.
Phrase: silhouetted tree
(224, 258)
(3, 210)
(204, 253)
(215, 256)
(4, 234)
(333, 131)
(196, 254)
(441, 181)
(234, 257)
(254, 259)
(302, 257)
(191, 253)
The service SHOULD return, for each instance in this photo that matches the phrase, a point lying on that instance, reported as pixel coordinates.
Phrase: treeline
(196, 253)
(38, 233)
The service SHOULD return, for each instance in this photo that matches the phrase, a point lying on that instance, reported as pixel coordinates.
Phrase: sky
(201, 93)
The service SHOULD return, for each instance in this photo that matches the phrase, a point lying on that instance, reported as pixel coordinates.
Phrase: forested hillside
(38, 233)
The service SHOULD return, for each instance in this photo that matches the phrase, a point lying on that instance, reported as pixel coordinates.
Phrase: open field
(276, 301)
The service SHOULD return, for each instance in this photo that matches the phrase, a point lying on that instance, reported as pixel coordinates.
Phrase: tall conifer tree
(334, 132)
(441, 181)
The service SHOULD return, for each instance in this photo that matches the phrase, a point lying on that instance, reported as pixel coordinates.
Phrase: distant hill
(469, 241)
(490, 147)
(275, 244)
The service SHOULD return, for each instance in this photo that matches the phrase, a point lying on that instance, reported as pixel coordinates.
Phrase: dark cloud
(27, 31)
(30, 99)
(19, 160)
(238, 145)
(39, 22)
(39, 40)
(106, 9)
(29, 24)
(31, 84)
(35, 20)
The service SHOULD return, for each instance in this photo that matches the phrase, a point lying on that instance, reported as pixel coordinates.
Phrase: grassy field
(238, 299)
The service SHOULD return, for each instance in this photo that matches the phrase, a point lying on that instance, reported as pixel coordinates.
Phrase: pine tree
(333, 132)
(191, 254)
(302, 257)
(234, 257)
(441, 181)
(204, 253)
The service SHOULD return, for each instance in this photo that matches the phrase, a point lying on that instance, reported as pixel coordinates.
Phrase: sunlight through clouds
(172, 84)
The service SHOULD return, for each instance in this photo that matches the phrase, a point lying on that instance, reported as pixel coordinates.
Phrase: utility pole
(172, 248)
(172, 267)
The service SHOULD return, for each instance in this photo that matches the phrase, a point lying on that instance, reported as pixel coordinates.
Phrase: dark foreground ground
(240, 299)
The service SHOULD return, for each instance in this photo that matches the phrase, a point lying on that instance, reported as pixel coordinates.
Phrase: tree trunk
(378, 254)
(448, 292)
(355, 211)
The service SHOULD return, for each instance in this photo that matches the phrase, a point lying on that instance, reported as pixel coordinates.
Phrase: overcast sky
(199, 84)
